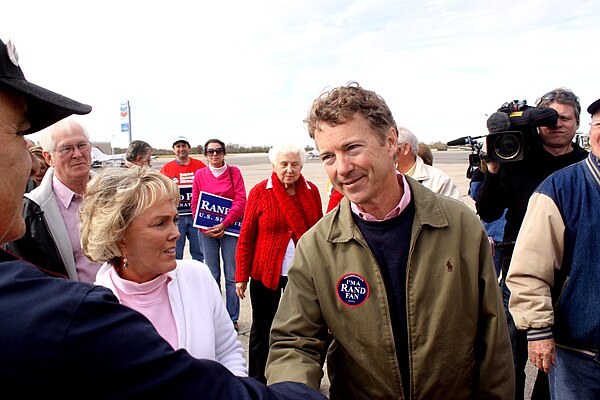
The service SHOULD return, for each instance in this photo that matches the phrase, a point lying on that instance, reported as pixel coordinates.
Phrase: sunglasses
(215, 151)
(559, 95)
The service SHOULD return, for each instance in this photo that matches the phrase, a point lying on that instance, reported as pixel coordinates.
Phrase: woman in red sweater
(279, 210)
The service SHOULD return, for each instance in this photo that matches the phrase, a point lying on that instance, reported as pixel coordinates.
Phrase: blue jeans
(214, 249)
(575, 376)
(497, 257)
(187, 230)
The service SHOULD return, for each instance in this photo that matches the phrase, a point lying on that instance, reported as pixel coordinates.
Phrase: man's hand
(240, 289)
(542, 354)
(493, 167)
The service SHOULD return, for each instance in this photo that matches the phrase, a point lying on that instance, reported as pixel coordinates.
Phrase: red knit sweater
(266, 233)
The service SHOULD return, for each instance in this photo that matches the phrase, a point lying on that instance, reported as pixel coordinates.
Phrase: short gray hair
(114, 198)
(560, 95)
(275, 151)
(406, 136)
(48, 136)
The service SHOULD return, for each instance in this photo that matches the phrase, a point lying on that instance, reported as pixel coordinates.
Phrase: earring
(125, 264)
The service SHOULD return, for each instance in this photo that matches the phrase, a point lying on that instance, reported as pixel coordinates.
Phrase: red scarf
(299, 210)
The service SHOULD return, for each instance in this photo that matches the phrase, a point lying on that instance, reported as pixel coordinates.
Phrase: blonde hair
(113, 199)
(38, 152)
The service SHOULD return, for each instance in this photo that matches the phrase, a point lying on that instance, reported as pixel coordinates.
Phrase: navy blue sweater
(389, 242)
(60, 338)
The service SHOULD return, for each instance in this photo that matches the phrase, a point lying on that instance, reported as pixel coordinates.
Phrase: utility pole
(126, 119)
(129, 108)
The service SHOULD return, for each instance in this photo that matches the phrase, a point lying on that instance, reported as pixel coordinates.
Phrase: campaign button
(352, 290)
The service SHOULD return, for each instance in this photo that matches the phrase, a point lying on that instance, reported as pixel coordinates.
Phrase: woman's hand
(240, 289)
(216, 232)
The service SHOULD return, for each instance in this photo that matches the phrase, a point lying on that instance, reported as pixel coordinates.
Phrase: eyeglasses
(566, 95)
(68, 149)
(215, 151)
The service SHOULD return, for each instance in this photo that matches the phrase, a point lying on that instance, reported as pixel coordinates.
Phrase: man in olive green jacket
(401, 278)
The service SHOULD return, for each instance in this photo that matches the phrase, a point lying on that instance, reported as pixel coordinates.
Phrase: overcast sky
(246, 72)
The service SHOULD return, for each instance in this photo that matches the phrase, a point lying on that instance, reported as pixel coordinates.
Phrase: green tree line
(230, 147)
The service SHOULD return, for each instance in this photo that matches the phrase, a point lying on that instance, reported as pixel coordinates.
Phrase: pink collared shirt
(68, 204)
(402, 204)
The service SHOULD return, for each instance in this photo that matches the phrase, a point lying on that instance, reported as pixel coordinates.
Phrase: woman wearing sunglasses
(222, 180)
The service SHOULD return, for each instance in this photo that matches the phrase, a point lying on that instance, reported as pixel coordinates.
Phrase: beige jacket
(458, 340)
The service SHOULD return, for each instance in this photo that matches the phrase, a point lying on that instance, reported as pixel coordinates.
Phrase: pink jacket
(229, 184)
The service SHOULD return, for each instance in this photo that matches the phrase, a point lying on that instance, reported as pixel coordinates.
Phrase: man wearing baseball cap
(554, 276)
(181, 170)
(61, 338)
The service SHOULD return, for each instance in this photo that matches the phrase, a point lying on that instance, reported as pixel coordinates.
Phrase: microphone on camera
(460, 141)
(498, 122)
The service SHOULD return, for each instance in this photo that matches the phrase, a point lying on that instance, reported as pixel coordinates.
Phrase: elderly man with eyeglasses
(51, 211)
(510, 185)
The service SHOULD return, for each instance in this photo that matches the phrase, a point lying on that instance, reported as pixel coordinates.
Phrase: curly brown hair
(340, 105)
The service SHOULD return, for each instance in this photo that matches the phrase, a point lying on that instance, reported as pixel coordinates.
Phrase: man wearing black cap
(181, 170)
(554, 277)
(64, 338)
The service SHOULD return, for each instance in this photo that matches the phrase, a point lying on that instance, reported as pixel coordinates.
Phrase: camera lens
(507, 146)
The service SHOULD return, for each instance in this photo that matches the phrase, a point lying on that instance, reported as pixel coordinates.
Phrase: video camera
(512, 132)
(476, 153)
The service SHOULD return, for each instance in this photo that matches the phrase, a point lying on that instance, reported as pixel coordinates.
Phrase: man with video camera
(508, 185)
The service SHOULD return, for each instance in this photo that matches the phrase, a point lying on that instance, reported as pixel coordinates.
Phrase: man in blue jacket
(554, 276)
(60, 338)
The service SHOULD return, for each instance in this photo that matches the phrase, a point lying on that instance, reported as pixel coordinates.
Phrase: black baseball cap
(44, 107)
(594, 107)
